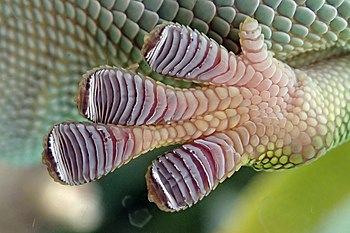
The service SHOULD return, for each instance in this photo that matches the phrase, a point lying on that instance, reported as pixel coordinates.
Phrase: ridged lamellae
(248, 109)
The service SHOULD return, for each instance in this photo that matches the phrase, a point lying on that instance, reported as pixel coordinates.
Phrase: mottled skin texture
(298, 118)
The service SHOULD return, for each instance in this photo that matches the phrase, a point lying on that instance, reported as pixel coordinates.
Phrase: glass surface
(311, 199)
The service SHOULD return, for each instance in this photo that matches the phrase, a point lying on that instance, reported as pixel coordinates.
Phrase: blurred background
(313, 198)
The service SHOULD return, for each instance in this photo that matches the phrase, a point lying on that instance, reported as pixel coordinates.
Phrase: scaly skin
(47, 45)
(263, 114)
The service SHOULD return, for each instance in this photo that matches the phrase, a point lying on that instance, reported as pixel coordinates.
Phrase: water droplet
(127, 201)
(139, 218)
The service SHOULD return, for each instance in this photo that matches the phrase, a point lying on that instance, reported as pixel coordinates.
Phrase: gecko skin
(45, 47)
(249, 108)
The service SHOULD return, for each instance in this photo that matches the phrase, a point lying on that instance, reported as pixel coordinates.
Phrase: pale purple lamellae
(183, 53)
(124, 98)
(83, 152)
(184, 176)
